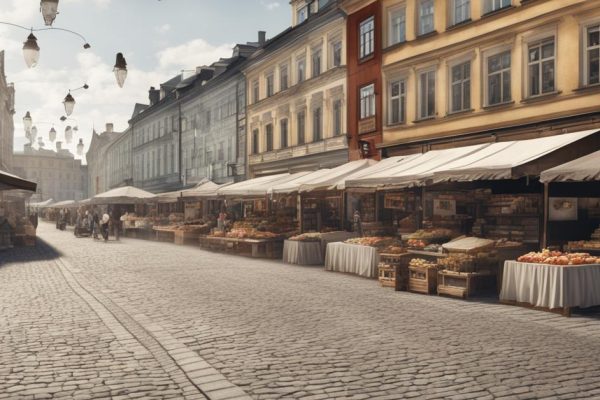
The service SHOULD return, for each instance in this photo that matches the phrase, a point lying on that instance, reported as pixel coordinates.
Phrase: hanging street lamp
(52, 134)
(27, 121)
(49, 9)
(120, 69)
(41, 142)
(31, 51)
(33, 134)
(69, 103)
(80, 147)
(68, 134)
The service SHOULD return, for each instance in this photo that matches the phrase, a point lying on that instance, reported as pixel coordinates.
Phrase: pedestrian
(33, 218)
(95, 224)
(357, 224)
(104, 226)
(116, 221)
(221, 221)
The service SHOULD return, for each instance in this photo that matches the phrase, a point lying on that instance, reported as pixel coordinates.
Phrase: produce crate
(422, 280)
(393, 270)
(464, 284)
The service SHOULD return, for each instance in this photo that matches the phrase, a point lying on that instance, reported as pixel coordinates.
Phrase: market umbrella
(65, 204)
(123, 195)
(42, 204)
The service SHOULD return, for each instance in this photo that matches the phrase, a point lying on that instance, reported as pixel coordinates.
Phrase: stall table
(137, 233)
(183, 237)
(551, 287)
(352, 258)
(256, 248)
(162, 234)
(302, 252)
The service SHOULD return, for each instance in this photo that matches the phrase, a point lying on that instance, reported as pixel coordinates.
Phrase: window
(460, 87)
(337, 117)
(283, 133)
(336, 50)
(270, 85)
(301, 64)
(397, 106)
(426, 23)
(495, 5)
(426, 94)
(221, 152)
(498, 78)
(367, 37)
(269, 137)
(592, 55)
(397, 26)
(283, 77)
(317, 125)
(323, 3)
(541, 67)
(255, 91)
(367, 101)
(460, 11)
(316, 62)
(301, 125)
(255, 147)
(302, 14)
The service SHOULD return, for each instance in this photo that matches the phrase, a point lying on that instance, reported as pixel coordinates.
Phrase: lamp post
(31, 51)
(52, 134)
(27, 121)
(49, 9)
(120, 69)
(80, 147)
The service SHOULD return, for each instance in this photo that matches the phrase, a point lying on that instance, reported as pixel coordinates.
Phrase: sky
(159, 39)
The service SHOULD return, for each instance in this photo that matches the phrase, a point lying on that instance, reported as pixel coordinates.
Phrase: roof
(11, 182)
(491, 161)
(582, 169)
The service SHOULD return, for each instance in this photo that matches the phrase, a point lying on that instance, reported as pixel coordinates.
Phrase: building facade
(118, 155)
(96, 157)
(364, 49)
(7, 110)
(462, 72)
(58, 174)
(296, 89)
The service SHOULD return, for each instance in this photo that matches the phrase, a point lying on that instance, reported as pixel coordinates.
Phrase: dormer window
(302, 14)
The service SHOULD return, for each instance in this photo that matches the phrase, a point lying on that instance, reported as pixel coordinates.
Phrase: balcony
(322, 146)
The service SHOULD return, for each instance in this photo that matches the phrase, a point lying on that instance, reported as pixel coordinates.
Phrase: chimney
(153, 95)
(58, 146)
(27, 148)
(109, 127)
(262, 37)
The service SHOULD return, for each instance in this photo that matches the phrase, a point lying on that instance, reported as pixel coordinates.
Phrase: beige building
(7, 110)
(296, 90)
(458, 72)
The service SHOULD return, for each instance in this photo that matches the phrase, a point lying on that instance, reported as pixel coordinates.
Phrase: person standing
(95, 224)
(116, 221)
(104, 226)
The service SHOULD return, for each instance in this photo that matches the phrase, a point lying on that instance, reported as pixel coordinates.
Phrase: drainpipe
(180, 141)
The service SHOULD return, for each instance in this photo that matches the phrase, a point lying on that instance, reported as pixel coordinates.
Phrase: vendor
(357, 224)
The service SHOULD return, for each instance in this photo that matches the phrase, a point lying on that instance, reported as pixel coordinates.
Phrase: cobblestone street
(139, 319)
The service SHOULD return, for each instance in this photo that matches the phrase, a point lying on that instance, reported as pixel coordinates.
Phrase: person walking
(95, 224)
(116, 221)
(104, 226)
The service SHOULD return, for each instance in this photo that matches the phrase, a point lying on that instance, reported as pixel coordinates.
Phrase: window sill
(459, 113)
(459, 24)
(416, 121)
(541, 97)
(588, 88)
(394, 46)
(366, 58)
(506, 104)
(427, 35)
(498, 11)
(396, 124)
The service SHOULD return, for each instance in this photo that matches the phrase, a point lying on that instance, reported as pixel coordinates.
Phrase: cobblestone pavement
(142, 319)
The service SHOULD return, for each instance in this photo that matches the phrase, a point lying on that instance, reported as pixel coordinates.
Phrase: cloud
(270, 5)
(163, 29)
(192, 54)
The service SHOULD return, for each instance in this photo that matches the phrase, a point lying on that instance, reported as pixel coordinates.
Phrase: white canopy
(203, 189)
(123, 195)
(331, 178)
(586, 168)
(293, 185)
(42, 204)
(64, 204)
(478, 162)
(256, 187)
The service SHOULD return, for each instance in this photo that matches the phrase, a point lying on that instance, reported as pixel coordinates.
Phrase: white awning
(586, 168)
(41, 204)
(64, 204)
(12, 182)
(205, 188)
(336, 176)
(293, 185)
(123, 195)
(257, 187)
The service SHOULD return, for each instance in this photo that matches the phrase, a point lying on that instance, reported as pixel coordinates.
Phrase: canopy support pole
(545, 219)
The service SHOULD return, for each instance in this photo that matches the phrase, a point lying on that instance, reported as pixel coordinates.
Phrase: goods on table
(421, 263)
(379, 242)
(433, 235)
(515, 217)
(307, 237)
(434, 248)
(250, 233)
(416, 244)
(458, 263)
(422, 276)
(505, 243)
(468, 244)
(558, 258)
(593, 244)
(394, 249)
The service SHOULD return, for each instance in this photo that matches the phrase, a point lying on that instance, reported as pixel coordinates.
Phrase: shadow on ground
(42, 251)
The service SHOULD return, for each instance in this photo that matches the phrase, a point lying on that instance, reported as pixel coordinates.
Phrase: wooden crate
(422, 280)
(463, 284)
(393, 270)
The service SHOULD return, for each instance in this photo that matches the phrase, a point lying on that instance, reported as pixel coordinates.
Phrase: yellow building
(296, 94)
(458, 72)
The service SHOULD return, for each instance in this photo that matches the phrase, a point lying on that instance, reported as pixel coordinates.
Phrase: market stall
(360, 256)
(16, 226)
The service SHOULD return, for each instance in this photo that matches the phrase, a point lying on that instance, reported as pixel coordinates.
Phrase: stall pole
(300, 213)
(343, 210)
(545, 227)
(422, 210)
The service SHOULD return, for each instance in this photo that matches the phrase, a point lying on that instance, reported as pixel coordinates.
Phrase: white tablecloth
(332, 237)
(551, 286)
(352, 258)
(302, 253)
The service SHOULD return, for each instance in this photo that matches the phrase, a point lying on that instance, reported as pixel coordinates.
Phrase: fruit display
(458, 263)
(249, 233)
(379, 242)
(421, 263)
(307, 237)
(393, 250)
(558, 258)
(585, 244)
(416, 244)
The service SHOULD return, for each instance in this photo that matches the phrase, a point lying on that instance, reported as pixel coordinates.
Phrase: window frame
(286, 68)
(269, 137)
(270, 83)
(452, 21)
(337, 128)
(451, 65)
(255, 141)
(317, 124)
(303, 130)
(540, 42)
(316, 57)
(585, 48)
(486, 75)
(430, 113)
(366, 38)
(484, 6)
(402, 81)
(299, 11)
(333, 45)
(369, 100)
(255, 91)
(300, 61)
(420, 31)
(284, 133)
(400, 8)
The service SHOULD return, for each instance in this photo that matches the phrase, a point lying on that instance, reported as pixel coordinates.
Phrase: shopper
(104, 226)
